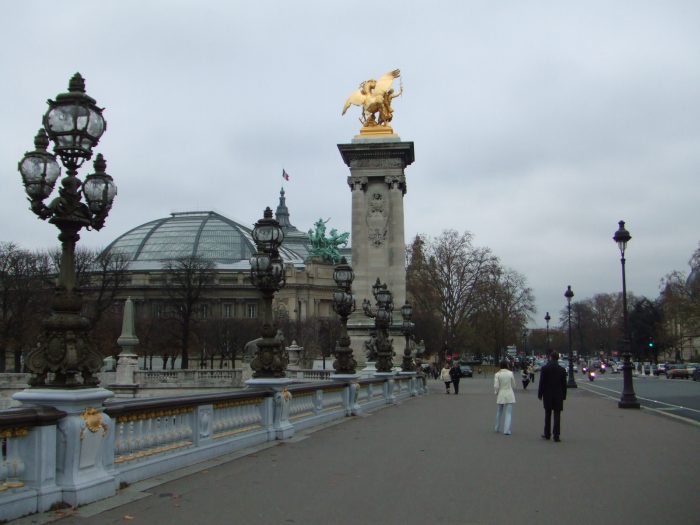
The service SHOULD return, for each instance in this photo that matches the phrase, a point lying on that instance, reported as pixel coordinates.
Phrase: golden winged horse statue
(375, 96)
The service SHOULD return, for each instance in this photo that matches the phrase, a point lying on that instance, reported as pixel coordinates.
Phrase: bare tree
(505, 306)
(187, 278)
(450, 271)
(100, 275)
(423, 298)
(680, 307)
(24, 299)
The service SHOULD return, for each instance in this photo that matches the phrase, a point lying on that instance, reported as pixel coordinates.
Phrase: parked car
(696, 374)
(660, 369)
(466, 371)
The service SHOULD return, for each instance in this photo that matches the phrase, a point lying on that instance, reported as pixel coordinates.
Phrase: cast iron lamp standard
(74, 124)
(547, 318)
(571, 382)
(628, 398)
(407, 364)
(382, 321)
(344, 305)
(267, 274)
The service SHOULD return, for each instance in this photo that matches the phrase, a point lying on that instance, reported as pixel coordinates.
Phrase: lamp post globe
(74, 123)
(570, 382)
(65, 356)
(628, 399)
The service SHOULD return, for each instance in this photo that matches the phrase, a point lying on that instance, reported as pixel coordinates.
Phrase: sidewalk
(436, 460)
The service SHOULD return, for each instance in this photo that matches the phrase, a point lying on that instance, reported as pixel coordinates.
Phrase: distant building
(229, 246)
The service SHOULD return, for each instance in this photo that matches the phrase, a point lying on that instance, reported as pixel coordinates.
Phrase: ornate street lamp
(344, 305)
(407, 365)
(74, 124)
(382, 316)
(267, 274)
(571, 382)
(628, 398)
(547, 318)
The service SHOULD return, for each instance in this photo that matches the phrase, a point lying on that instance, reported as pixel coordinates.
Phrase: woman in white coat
(504, 386)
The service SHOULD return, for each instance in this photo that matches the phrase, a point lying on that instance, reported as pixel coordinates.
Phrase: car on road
(466, 371)
(681, 371)
(696, 373)
(660, 369)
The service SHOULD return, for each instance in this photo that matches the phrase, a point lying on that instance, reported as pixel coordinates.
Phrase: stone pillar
(378, 184)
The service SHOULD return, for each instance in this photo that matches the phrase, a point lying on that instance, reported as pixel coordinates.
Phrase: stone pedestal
(294, 352)
(282, 428)
(378, 184)
(85, 444)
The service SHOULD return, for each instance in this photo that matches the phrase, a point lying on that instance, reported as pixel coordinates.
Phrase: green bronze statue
(327, 248)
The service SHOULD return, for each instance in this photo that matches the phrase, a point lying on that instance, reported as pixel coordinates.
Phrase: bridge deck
(436, 459)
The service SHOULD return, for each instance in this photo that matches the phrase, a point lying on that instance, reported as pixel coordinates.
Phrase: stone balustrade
(136, 439)
(310, 374)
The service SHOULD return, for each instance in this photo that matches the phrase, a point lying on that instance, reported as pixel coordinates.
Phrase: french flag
(285, 175)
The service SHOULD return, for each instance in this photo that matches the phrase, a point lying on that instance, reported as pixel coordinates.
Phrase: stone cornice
(377, 154)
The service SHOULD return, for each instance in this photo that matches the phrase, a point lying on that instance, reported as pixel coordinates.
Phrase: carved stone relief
(377, 219)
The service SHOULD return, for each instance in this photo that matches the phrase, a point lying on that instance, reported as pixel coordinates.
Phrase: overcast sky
(537, 125)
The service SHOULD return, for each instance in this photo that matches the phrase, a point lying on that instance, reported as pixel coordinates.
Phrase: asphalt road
(677, 397)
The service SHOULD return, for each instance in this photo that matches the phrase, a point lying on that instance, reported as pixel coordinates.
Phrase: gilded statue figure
(375, 96)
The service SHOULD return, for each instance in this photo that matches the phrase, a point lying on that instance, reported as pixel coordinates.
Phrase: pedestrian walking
(445, 376)
(503, 386)
(531, 371)
(525, 377)
(552, 392)
(455, 376)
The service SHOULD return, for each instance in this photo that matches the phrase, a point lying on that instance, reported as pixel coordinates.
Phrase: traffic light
(651, 344)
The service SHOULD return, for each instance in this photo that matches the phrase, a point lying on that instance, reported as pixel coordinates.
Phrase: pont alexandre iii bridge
(48, 458)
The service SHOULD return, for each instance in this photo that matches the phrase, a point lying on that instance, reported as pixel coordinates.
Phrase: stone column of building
(378, 185)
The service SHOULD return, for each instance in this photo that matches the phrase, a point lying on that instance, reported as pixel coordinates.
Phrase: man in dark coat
(455, 375)
(552, 392)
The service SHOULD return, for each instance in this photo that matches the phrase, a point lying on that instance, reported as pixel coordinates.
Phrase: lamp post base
(628, 399)
(627, 403)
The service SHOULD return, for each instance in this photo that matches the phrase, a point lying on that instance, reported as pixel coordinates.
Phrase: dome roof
(201, 233)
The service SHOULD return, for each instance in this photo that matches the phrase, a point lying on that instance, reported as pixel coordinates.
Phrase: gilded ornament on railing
(93, 421)
(286, 395)
(14, 432)
(375, 96)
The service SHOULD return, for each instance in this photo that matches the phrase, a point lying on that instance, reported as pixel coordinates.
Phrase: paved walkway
(437, 460)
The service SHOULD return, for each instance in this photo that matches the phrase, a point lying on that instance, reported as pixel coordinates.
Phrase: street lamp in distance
(628, 398)
(571, 382)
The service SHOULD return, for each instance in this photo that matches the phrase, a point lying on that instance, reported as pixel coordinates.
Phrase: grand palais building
(228, 245)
